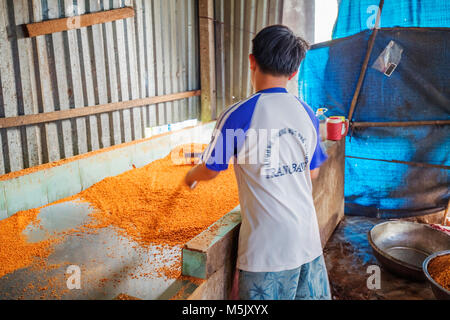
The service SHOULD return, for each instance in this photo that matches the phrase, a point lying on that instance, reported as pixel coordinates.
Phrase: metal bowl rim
(388, 256)
(425, 268)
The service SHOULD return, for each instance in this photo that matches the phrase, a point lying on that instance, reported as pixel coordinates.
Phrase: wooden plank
(76, 22)
(409, 163)
(328, 190)
(213, 248)
(207, 59)
(11, 122)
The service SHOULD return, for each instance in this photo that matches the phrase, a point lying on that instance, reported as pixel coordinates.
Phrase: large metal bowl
(439, 291)
(402, 246)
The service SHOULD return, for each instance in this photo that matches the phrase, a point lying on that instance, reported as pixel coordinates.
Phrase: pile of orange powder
(439, 269)
(150, 205)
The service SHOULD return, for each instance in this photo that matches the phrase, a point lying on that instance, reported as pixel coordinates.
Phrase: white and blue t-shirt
(273, 139)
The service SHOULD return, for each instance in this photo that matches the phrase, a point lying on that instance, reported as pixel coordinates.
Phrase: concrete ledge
(56, 181)
(213, 248)
(217, 287)
(328, 190)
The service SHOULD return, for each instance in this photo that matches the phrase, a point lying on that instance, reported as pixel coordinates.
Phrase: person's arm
(314, 173)
(228, 137)
(200, 173)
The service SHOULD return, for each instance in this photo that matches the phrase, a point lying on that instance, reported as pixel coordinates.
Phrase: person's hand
(199, 173)
(188, 179)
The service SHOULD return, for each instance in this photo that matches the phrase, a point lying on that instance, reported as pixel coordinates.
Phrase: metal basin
(439, 292)
(402, 246)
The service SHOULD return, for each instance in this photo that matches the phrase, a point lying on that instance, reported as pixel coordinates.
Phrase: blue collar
(274, 90)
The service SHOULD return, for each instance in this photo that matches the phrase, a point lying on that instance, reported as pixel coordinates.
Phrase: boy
(274, 140)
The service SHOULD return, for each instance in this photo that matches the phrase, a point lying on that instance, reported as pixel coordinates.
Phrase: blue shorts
(308, 282)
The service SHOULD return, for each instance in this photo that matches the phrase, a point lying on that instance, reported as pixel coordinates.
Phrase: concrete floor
(348, 255)
(109, 263)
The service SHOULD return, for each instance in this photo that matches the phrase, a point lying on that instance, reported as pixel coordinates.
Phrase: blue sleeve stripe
(237, 117)
(219, 126)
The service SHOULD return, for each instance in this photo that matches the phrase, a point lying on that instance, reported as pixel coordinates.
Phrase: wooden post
(207, 59)
(362, 74)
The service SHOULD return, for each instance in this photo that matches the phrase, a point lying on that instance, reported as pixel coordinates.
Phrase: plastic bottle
(320, 114)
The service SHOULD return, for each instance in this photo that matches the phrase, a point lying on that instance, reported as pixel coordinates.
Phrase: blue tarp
(355, 16)
(419, 89)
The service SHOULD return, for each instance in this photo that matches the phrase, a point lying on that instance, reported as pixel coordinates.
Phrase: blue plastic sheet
(358, 15)
(417, 182)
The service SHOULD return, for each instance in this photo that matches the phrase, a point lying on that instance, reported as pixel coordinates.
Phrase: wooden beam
(87, 111)
(207, 59)
(400, 123)
(76, 22)
(410, 163)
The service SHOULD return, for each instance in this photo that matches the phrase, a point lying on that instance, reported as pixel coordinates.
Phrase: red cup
(337, 128)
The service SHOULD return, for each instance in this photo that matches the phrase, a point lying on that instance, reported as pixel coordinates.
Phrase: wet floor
(348, 256)
(109, 264)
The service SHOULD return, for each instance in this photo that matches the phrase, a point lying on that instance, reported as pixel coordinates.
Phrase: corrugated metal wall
(154, 53)
(236, 23)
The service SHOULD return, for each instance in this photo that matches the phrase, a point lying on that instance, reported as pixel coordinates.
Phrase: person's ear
(293, 75)
(252, 60)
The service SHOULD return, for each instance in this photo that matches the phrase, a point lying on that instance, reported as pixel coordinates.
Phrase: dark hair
(278, 51)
